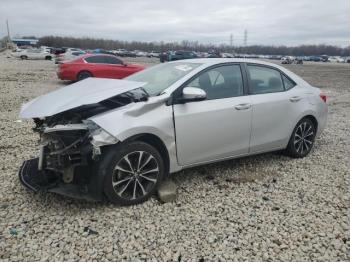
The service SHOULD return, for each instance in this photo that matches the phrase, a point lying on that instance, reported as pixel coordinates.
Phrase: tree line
(93, 43)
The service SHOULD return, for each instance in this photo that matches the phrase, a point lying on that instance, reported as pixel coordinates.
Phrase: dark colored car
(101, 65)
(315, 59)
(57, 51)
(127, 54)
(180, 55)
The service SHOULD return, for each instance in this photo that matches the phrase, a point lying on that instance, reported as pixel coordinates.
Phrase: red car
(96, 65)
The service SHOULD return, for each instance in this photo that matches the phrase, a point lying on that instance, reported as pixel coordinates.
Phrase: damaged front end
(70, 148)
(66, 159)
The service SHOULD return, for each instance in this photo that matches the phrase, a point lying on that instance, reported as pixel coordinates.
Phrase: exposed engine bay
(70, 144)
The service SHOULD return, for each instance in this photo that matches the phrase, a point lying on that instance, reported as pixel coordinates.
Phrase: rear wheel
(302, 139)
(132, 171)
(23, 57)
(48, 57)
(83, 75)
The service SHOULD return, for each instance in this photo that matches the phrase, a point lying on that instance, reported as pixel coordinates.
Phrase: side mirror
(191, 94)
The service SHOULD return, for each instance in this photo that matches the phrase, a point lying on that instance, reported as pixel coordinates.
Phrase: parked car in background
(57, 51)
(67, 56)
(213, 55)
(96, 65)
(315, 59)
(101, 51)
(180, 55)
(336, 59)
(227, 55)
(72, 49)
(118, 139)
(124, 53)
(299, 60)
(287, 59)
(34, 54)
(141, 53)
(324, 58)
(153, 54)
(119, 52)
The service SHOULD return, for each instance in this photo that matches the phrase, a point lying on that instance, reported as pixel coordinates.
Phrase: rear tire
(23, 57)
(83, 75)
(48, 58)
(132, 172)
(302, 139)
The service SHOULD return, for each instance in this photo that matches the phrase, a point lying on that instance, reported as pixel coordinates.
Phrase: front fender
(151, 117)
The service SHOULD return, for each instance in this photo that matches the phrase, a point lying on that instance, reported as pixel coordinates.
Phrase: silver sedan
(119, 139)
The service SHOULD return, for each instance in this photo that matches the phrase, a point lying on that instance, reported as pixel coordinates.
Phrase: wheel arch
(157, 143)
(312, 118)
(83, 70)
(309, 115)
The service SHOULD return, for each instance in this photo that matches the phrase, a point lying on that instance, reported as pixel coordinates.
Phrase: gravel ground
(261, 208)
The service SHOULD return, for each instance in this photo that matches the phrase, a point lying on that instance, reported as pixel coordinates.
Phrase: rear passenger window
(288, 84)
(97, 59)
(264, 80)
(113, 60)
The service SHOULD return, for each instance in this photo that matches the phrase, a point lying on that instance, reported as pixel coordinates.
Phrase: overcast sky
(273, 22)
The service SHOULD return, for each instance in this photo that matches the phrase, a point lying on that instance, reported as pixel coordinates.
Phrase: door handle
(295, 98)
(243, 106)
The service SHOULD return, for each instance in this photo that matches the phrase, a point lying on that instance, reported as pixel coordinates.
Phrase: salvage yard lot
(260, 207)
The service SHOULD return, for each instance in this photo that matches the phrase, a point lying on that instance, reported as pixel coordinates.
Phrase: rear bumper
(40, 181)
(65, 74)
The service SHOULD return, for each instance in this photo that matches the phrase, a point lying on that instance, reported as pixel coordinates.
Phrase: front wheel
(302, 139)
(132, 171)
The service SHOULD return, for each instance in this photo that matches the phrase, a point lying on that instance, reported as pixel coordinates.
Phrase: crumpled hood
(85, 92)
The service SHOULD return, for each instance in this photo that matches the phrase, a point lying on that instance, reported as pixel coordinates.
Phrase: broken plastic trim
(68, 127)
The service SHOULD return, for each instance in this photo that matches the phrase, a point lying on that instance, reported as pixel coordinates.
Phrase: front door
(219, 126)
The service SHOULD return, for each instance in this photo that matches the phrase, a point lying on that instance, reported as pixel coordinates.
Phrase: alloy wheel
(135, 175)
(304, 137)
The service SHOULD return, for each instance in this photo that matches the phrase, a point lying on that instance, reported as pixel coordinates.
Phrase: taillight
(323, 97)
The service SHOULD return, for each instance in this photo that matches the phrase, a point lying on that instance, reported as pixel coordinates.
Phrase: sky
(268, 22)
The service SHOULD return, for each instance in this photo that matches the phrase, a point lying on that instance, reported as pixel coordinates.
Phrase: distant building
(22, 42)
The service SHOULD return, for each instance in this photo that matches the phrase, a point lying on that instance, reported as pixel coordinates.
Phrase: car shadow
(241, 170)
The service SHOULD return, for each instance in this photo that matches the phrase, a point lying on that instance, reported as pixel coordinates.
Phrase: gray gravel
(266, 207)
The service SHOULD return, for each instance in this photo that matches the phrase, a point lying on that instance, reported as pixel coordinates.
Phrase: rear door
(277, 103)
(219, 126)
(97, 65)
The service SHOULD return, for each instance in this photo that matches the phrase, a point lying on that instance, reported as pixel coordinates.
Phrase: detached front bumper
(31, 177)
(40, 181)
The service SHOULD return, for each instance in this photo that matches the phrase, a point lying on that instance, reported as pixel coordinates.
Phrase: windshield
(161, 76)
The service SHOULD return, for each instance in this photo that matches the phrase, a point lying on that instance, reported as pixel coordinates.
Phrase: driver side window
(220, 82)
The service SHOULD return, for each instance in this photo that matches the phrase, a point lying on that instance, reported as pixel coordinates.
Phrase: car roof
(213, 61)
(90, 55)
(207, 62)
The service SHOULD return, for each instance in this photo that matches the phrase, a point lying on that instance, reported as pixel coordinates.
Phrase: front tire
(132, 171)
(302, 139)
